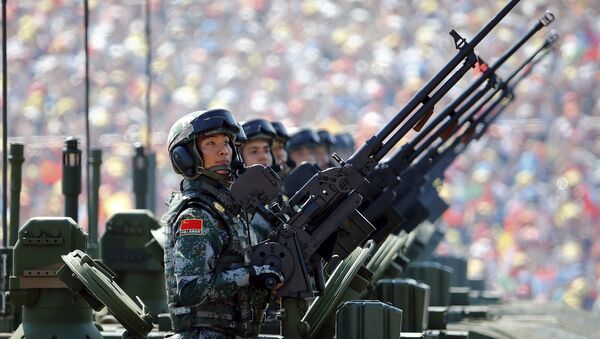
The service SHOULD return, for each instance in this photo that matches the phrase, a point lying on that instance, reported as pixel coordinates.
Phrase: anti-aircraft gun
(322, 218)
(390, 259)
(360, 272)
(403, 192)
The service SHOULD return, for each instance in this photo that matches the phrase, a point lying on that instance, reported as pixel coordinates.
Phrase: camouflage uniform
(206, 269)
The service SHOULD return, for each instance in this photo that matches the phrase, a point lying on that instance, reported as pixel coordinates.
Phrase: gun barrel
(452, 125)
(423, 96)
(449, 111)
(432, 160)
(510, 83)
(375, 148)
(505, 100)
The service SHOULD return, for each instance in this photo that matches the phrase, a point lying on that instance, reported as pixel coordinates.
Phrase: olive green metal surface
(409, 295)
(99, 281)
(50, 310)
(368, 319)
(130, 250)
(344, 284)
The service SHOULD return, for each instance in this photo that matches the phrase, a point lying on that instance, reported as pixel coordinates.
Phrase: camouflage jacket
(206, 267)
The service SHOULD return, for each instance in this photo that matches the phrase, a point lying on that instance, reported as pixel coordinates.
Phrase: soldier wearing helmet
(324, 149)
(280, 154)
(257, 148)
(213, 290)
(344, 145)
(257, 151)
(301, 146)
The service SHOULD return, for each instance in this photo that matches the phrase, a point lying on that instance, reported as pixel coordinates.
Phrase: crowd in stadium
(524, 201)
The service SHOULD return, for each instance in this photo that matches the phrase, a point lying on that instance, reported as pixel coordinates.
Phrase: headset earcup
(183, 161)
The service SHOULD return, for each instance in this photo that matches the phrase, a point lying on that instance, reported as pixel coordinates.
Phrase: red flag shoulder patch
(191, 227)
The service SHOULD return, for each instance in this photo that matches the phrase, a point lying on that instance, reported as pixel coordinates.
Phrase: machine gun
(387, 177)
(366, 266)
(322, 219)
(396, 207)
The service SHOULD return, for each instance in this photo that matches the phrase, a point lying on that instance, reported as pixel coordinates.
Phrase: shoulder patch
(219, 208)
(191, 227)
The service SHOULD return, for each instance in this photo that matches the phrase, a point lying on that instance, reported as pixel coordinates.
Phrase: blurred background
(525, 200)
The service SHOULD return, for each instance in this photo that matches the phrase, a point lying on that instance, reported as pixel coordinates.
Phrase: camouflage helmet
(185, 157)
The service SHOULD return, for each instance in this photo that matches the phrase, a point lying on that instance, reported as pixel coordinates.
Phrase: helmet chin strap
(216, 169)
(213, 172)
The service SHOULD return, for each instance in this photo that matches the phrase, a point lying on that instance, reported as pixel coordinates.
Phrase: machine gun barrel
(431, 164)
(323, 216)
(506, 86)
(375, 148)
(140, 177)
(487, 116)
(545, 50)
(489, 74)
(95, 162)
(400, 180)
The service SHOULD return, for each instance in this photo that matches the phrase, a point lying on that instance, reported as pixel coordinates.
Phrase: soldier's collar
(213, 188)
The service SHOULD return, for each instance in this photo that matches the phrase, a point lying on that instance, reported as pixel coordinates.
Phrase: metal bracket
(459, 41)
(39, 273)
(547, 18)
(493, 81)
(551, 39)
(471, 59)
(339, 159)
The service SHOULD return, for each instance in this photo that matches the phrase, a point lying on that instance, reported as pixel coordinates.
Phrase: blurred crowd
(525, 204)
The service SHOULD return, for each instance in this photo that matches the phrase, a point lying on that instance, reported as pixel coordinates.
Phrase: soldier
(212, 290)
(259, 139)
(280, 154)
(344, 145)
(324, 150)
(301, 146)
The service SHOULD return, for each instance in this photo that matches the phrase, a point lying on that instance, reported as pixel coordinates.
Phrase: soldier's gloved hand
(265, 276)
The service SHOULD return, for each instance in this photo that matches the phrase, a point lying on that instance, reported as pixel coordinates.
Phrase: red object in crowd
(454, 218)
(50, 172)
